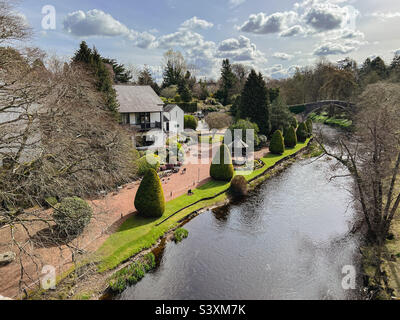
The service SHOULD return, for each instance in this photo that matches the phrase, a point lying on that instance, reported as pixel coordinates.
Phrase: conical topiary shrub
(290, 138)
(302, 132)
(277, 145)
(149, 200)
(221, 166)
(309, 125)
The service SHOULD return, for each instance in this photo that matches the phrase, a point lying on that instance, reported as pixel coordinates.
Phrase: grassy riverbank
(138, 233)
(339, 122)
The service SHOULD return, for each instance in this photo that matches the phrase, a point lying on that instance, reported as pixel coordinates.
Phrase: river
(289, 239)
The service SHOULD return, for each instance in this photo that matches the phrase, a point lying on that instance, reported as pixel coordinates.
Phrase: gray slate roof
(138, 99)
(169, 107)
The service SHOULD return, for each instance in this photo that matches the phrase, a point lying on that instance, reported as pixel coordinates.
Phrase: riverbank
(138, 236)
(337, 122)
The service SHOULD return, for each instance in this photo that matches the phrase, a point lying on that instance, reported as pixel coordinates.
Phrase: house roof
(169, 107)
(238, 144)
(138, 99)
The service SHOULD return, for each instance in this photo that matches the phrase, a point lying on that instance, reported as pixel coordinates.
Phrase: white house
(142, 109)
(173, 118)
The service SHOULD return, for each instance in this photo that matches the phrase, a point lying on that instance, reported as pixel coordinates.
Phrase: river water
(289, 239)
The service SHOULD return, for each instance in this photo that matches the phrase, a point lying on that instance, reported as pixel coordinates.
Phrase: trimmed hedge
(238, 187)
(302, 132)
(188, 107)
(149, 200)
(293, 122)
(72, 215)
(277, 145)
(144, 164)
(309, 125)
(190, 122)
(290, 138)
(221, 167)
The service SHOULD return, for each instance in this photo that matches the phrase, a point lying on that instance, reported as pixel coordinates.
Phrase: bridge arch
(305, 109)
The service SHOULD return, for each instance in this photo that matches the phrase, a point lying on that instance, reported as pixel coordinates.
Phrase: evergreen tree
(184, 92)
(221, 167)
(277, 145)
(302, 132)
(254, 103)
(145, 78)
(121, 75)
(104, 82)
(228, 80)
(290, 138)
(149, 199)
(84, 54)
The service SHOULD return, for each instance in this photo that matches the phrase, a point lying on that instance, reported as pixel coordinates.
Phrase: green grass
(138, 233)
(337, 122)
(206, 138)
(180, 234)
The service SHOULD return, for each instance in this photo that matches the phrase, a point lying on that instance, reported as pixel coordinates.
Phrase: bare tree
(12, 25)
(372, 157)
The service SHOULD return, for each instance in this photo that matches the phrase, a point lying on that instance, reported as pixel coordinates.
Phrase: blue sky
(272, 36)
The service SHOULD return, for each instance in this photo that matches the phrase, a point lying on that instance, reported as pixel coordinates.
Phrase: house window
(144, 117)
(125, 118)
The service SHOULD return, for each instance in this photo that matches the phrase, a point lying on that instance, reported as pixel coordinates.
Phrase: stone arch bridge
(305, 109)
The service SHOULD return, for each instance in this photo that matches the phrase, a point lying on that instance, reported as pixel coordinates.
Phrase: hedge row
(188, 107)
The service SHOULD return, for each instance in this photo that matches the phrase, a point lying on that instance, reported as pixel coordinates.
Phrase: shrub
(290, 138)
(238, 187)
(262, 140)
(221, 166)
(149, 200)
(180, 234)
(145, 163)
(293, 122)
(188, 107)
(302, 132)
(177, 98)
(72, 215)
(190, 122)
(309, 126)
(277, 145)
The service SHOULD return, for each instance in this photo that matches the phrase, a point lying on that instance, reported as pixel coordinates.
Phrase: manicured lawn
(139, 233)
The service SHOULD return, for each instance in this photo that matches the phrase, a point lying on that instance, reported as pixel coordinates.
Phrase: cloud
(306, 18)
(278, 71)
(235, 3)
(325, 16)
(240, 49)
(196, 23)
(333, 49)
(93, 23)
(292, 31)
(98, 23)
(282, 56)
(384, 15)
(264, 24)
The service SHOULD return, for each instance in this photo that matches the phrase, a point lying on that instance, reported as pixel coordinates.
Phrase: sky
(274, 37)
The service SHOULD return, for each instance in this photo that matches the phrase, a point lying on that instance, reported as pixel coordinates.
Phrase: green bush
(290, 138)
(302, 132)
(177, 98)
(180, 234)
(144, 164)
(188, 107)
(190, 122)
(277, 145)
(149, 200)
(293, 122)
(221, 166)
(72, 215)
(309, 125)
(238, 187)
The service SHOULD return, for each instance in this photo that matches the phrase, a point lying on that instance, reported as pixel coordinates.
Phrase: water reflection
(288, 240)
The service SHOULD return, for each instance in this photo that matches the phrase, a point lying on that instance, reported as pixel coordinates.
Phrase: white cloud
(282, 56)
(196, 23)
(264, 24)
(93, 23)
(240, 49)
(98, 23)
(384, 15)
(235, 3)
(326, 49)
